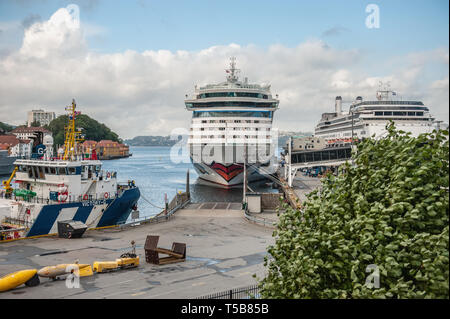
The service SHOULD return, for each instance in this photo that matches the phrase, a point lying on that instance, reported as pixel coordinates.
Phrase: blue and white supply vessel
(70, 187)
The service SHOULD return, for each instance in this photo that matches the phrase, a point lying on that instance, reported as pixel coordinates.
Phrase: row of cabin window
(39, 171)
(399, 113)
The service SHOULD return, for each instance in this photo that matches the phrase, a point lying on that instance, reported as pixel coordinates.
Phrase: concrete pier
(303, 185)
(224, 250)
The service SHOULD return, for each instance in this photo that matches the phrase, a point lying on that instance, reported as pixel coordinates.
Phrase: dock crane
(7, 184)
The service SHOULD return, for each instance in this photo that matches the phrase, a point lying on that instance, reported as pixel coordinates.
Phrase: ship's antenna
(72, 136)
(232, 70)
(383, 90)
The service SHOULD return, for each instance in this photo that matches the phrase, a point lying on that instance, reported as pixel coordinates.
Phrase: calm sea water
(155, 175)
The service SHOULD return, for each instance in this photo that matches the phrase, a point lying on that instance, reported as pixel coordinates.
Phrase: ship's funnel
(338, 105)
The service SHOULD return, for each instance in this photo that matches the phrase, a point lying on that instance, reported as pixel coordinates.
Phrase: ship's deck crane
(7, 184)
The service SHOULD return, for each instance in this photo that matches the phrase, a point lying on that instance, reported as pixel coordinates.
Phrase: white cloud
(142, 93)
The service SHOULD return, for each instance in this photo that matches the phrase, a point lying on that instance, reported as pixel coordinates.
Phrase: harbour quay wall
(270, 201)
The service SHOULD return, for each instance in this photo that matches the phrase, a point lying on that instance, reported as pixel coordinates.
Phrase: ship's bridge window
(22, 168)
(40, 171)
(387, 113)
(31, 172)
(234, 104)
(71, 171)
(378, 113)
(232, 94)
(53, 170)
(61, 171)
(197, 114)
(419, 113)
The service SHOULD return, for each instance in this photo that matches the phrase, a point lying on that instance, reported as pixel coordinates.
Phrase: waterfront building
(41, 116)
(31, 133)
(18, 148)
(106, 149)
(307, 143)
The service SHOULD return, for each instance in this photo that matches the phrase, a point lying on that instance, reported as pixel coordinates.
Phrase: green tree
(5, 127)
(91, 129)
(389, 210)
(35, 124)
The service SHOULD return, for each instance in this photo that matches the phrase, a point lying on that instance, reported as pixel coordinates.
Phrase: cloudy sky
(129, 63)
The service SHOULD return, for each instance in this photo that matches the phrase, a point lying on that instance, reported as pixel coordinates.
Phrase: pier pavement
(303, 185)
(224, 250)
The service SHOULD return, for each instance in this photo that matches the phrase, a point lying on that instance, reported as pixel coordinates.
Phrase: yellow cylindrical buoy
(18, 278)
(105, 266)
(128, 262)
(63, 269)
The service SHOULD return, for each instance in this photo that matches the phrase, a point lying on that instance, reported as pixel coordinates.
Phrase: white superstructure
(369, 118)
(231, 125)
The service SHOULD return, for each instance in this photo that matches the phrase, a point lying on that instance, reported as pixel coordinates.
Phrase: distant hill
(150, 141)
(91, 129)
(283, 137)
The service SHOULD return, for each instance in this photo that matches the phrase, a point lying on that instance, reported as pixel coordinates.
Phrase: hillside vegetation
(5, 127)
(151, 141)
(92, 129)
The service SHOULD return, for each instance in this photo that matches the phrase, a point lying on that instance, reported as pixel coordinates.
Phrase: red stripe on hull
(227, 172)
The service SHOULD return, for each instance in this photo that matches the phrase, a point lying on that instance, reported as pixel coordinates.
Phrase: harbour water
(155, 174)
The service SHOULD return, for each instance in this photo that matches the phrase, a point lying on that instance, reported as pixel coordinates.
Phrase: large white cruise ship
(231, 125)
(369, 118)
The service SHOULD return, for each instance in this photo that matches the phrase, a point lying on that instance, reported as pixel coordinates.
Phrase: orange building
(106, 149)
(124, 150)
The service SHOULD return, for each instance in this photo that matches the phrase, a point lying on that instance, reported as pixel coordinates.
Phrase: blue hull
(110, 212)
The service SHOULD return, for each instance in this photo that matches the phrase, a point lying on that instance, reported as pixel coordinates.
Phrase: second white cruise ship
(369, 118)
(231, 125)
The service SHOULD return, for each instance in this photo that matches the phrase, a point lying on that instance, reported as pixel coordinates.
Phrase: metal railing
(70, 198)
(18, 222)
(260, 220)
(177, 203)
(250, 292)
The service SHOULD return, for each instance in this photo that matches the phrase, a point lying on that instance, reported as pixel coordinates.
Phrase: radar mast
(232, 77)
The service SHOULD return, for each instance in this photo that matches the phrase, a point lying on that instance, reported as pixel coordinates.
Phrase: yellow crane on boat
(72, 135)
(7, 184)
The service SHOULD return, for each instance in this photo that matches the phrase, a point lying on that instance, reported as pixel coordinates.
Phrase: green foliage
(35, 124)
(5, 127)
(92, 129)
(391, 209)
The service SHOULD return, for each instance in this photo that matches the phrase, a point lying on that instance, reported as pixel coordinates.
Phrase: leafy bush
(389, 210)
